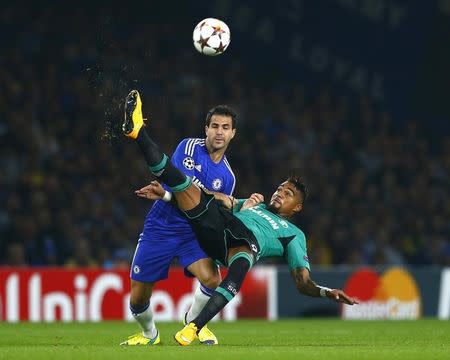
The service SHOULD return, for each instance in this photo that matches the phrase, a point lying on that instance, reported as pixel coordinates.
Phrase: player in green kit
(235, 233)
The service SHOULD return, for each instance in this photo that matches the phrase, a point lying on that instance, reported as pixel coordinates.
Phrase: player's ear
(206, 129)
(233, 132)
(297, 208)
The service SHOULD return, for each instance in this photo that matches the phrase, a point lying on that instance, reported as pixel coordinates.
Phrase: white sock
(145, 321)
(200, 300)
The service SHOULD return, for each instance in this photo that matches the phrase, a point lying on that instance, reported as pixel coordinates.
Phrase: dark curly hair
(299, 184)
(222, 110)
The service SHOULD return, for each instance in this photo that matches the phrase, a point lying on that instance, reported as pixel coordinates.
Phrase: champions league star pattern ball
(211, 37)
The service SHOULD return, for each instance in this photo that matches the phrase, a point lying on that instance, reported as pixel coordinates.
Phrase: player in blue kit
(233, 233)
(167, 234)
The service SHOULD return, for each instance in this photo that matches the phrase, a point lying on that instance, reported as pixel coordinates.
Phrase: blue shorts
(154, 254)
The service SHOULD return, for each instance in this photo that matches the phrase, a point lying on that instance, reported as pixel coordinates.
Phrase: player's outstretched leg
(158, 162)
(239, 264)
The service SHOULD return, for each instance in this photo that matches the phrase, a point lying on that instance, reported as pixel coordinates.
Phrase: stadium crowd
(379, 188)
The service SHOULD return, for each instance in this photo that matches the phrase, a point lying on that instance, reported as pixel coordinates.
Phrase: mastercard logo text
(392, 295)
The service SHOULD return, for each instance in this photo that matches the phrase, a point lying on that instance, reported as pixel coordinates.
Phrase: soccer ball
(211, 37)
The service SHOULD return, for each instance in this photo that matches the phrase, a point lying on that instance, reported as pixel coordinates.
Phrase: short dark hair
(222, 110)
(299, 184)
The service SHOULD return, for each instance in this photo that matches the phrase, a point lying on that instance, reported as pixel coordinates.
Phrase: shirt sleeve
(296, 255)
(238, 205)
(230, 181)
(230, 186)
(182, 158)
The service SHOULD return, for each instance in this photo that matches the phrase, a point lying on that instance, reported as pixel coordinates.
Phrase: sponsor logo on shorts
(232, 289)
(188, 163)
(136, 269)
(393, 295)
(217, 184)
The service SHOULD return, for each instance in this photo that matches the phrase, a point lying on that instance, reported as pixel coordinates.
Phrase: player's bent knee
(210, 280)
(244, 258)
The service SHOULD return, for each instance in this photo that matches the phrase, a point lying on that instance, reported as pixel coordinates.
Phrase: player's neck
(275, 211)
(216, 155)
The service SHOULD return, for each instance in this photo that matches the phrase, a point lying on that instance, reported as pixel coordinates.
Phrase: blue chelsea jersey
(192, 158)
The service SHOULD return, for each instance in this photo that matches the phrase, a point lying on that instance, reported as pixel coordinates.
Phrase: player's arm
(308, 287)
(155, 191)
(227, 201)
(231, 203)
(253, 200)
(238, 204)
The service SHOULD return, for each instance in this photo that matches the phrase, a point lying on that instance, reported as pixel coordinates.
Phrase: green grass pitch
(286, 339)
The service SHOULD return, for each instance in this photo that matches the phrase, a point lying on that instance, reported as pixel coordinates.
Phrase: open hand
(153, 191)
(341, 297)
(253, 200)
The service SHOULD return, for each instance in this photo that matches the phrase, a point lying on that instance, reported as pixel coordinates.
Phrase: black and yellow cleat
(133, 120)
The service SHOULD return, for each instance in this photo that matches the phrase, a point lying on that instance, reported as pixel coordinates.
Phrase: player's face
(286, 200)
(219, 132)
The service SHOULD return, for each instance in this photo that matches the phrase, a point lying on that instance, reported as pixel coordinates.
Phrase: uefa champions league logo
(217, 184)
(188, 163)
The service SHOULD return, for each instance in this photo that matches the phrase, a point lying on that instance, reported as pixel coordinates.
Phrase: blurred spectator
(121, 259)
(15, 255)
(81, 255)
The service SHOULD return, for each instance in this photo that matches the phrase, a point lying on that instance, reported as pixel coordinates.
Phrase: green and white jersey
(275, 235)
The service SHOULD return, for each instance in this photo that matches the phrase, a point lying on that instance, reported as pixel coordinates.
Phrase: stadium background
(354, 93)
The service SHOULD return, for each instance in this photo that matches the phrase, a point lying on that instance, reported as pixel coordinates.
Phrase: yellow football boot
(139, 339)
(186, 335)
(207, 337)
(133, 120)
